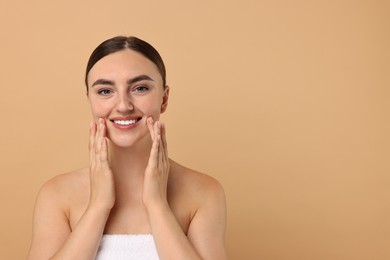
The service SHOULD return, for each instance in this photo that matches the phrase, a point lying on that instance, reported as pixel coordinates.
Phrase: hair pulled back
(120, 43)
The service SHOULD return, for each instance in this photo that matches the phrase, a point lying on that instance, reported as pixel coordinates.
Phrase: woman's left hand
(157, 170)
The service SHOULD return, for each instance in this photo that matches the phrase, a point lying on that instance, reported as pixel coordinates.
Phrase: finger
(161, 151)
(150, 123)
(164, 146)
(102, 141)
(104, 128)
(104, 154)
(98, 136)
(164, 139)
(153, 157)
(157, 126)
(92, 133)
(153, 154)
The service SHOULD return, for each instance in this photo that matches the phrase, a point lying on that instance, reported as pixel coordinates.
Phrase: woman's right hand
(102, 190)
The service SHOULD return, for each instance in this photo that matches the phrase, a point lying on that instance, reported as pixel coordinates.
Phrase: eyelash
(137, 89)
(101, 92)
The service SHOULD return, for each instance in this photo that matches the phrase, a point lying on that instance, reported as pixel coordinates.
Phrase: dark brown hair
(120, 43)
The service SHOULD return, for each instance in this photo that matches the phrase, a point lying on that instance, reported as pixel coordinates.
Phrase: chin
(127, 141)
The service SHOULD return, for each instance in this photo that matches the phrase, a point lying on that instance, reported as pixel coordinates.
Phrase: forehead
(124, 64)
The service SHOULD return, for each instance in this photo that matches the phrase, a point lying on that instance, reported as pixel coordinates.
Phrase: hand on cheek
(157, 170)
(101, 177)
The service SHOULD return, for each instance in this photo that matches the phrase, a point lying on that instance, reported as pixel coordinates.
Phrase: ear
(164, 104)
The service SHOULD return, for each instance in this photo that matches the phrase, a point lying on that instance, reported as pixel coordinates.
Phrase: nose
(124, 104)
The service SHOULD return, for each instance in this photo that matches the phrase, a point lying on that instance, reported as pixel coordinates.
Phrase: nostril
(125, 104)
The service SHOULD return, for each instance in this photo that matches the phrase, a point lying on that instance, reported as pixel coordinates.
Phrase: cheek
(151, 108)
(99, 109)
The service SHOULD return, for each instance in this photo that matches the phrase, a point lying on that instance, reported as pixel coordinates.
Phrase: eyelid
(99, 91)
(141, 86)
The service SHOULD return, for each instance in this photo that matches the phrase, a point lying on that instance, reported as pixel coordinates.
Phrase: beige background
(285, 102)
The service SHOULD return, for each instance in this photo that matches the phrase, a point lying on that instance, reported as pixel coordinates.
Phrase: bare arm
(52, 235)
(206, 233)
(207, 228)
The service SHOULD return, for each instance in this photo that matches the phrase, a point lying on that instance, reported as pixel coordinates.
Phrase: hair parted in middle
(120, 43)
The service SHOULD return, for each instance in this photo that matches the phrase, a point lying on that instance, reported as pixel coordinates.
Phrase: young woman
(132, 202)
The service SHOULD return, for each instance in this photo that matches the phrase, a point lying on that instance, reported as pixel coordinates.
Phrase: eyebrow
(129, 82)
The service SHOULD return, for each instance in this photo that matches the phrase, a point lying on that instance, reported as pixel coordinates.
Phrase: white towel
(117, 247)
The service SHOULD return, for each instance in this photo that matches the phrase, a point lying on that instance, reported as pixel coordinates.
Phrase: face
(125, 88)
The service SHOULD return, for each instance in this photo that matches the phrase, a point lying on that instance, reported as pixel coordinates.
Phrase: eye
(141, 89)
(104, 92)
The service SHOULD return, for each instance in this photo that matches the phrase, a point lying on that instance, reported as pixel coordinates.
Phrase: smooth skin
(131, 185)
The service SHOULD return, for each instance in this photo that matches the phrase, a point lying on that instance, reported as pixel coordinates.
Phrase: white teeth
(125, 122)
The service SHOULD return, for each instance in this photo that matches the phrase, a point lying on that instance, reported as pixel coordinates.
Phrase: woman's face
(125, 88)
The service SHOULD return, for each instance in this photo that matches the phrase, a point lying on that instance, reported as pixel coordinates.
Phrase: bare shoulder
(65, 182)
(199, 186)
(63, 188)
(201, 199)
(52, 211)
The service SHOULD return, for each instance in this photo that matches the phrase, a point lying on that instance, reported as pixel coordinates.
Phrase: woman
(132, 202)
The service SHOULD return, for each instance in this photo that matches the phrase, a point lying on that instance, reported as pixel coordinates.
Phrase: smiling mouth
(126, 122)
